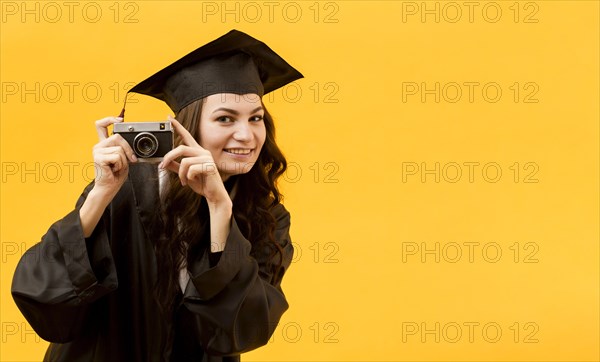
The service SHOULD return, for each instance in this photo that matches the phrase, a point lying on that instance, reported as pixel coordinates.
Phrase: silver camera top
(159, 126)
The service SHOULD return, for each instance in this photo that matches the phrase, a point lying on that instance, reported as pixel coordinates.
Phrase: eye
(224, 119)
(256, 118)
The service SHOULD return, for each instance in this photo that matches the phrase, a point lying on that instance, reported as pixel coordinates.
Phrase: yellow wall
(425, 204)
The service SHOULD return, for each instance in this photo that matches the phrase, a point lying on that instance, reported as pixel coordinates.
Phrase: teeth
(238, 151)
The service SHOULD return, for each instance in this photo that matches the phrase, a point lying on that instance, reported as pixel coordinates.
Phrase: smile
(238, 151)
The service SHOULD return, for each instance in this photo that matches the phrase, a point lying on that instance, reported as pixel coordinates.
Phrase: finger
(120, 143)
(185, 165)
(102, 124)
(179, 151)
(202, 169)
(173, 166)
(113, 156)
(196, 168)
(186, 137)
(118, 140)
(108, 150)
(208, 166)
(111, 161)
(181, 173)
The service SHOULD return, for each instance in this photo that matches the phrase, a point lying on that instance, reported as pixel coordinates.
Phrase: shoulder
(280, 214)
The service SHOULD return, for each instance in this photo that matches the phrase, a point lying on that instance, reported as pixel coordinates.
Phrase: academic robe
(93, 298)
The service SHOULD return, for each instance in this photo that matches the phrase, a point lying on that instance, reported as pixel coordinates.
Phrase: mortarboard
(233, 63)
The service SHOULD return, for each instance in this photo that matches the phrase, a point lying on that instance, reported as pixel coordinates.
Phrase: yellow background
(358, 137)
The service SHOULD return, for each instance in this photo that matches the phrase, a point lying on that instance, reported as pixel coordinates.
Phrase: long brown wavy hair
(185, 215)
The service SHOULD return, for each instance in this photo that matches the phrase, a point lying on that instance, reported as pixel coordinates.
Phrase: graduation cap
(234, 63)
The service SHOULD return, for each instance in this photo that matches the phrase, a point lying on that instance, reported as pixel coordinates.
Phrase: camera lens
(145, 144)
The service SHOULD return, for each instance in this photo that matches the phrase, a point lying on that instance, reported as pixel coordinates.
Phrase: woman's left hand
(197, 168)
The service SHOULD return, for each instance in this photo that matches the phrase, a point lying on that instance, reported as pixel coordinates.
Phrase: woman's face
(233, 130)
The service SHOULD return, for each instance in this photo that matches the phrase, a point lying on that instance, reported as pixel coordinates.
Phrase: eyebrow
(233, 111)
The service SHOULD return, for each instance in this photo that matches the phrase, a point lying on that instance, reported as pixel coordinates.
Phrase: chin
(236, 168)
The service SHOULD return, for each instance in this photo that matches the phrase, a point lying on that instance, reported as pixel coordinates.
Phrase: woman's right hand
(111, 156)
(111, 164)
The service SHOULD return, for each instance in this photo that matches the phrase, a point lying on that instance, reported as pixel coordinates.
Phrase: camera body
(150, 141)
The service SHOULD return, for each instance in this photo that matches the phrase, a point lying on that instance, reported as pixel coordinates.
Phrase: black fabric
(93, 298)
(234, 63)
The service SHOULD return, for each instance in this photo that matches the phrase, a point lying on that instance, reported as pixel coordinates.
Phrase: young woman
(182, 261)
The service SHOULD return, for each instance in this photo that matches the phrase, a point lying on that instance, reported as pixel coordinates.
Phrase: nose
(243, 133)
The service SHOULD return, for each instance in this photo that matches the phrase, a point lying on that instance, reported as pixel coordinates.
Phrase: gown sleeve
(236, 304)
(57, 279)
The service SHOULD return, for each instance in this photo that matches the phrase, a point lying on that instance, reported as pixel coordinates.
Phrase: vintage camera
(150, 141)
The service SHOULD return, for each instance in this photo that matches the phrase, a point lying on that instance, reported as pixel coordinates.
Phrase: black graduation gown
(92, 298)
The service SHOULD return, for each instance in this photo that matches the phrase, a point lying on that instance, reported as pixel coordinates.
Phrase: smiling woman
(202, 240)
